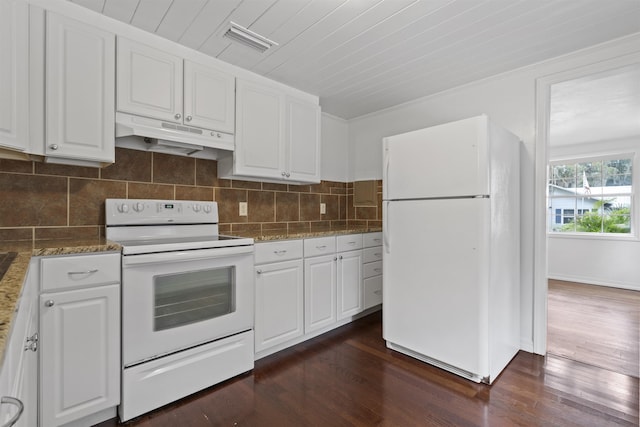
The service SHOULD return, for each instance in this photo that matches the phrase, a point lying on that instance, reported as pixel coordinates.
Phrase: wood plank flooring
(349, 378)
(596, 325)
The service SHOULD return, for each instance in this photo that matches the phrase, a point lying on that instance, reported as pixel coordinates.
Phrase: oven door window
(185, 298)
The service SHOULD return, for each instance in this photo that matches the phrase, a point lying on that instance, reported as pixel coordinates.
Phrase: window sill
(594, 236)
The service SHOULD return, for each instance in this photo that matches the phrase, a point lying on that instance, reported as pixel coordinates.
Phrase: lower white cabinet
(350, 300)
(279, 303)
(79, 338)
(320, 302)
(19, 368)
(372, 269)
(306, 287)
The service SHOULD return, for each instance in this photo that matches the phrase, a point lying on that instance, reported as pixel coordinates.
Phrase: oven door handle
(185, 256)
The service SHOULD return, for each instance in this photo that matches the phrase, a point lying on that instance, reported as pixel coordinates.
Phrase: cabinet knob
(189, 118)
(259, 271)
(340, 257)
(53, 147)
(284, 173)
(178, 116)
(49, 303)
(288, 174)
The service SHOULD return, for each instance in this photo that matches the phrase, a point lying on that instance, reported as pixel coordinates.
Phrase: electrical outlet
(242, 208)
(323, 208)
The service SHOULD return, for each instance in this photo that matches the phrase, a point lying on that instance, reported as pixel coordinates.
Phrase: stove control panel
(143, 211)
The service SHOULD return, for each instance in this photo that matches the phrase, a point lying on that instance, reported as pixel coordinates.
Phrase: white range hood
(168, 137)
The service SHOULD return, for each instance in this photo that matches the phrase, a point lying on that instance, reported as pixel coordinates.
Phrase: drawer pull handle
(377, 292)
(351, 243)
(321, 247)
(16, 402)
(95, 270)
(377, 240)
(378, 254)
(377, 270)
(280, 252)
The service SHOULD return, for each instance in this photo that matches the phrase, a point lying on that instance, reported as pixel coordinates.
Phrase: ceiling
(600, 107)
(361, 56)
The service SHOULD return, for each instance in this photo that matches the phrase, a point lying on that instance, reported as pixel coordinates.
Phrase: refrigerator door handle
(385, 229)
(385, 181)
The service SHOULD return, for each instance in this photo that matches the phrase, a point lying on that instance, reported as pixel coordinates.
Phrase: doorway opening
(592, 227)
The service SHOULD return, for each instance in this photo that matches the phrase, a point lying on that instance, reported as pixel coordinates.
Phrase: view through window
(591, 196)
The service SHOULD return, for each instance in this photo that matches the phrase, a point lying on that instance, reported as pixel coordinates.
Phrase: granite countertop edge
(12, 282)
(309, 234)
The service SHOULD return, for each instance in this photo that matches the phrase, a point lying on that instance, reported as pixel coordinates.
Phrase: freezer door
(442, 161)
(435, 275)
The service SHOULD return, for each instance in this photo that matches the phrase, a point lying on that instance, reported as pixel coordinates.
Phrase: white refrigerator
(451, 259)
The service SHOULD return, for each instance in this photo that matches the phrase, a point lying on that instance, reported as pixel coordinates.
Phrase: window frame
(575, 160)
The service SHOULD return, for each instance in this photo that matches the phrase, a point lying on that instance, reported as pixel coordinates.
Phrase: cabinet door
(303, 140)
(350, 300)
(80, 353)
(209, 98)
(319, 292)
(14, 76)
(80, 87)
(279, 303)
(149, 82)
(259, 131)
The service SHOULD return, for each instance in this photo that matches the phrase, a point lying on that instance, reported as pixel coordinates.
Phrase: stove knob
(207, 208)
(123, 208)
(138, 207)
(196, 208)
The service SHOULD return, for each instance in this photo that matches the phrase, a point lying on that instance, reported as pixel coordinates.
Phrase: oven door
(176, 300)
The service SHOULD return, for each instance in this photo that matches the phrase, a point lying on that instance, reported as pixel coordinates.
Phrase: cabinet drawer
(372, 254)
(372, 269)
(283, 250)
(372, 239)
(80, 270)
(372, 291)
(349, 242)
(319, 246)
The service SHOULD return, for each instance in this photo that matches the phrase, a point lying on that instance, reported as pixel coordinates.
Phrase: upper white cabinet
(209, 97)
(149, 81)
(14, 76)
(277, 136)
(79, 87)
(303, 140)
(260, 141)
(156, 84)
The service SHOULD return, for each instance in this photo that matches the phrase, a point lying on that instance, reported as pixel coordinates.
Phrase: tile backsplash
(41, 201)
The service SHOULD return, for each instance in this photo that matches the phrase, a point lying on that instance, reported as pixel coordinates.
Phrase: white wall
(335, 148)
(510, 100)
(610, 260)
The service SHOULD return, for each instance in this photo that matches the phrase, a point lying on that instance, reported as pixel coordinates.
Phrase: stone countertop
(13, 279)
(305, 235)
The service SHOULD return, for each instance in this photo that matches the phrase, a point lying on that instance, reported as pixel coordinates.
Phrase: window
(591, 196)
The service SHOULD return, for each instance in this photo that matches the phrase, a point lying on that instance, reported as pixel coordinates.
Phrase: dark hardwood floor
(596, 325)
(349, 378)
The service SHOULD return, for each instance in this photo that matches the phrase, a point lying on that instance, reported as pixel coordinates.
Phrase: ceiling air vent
(248, 38)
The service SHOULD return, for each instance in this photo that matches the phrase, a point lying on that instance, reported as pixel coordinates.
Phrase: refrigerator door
(448, 160)
(435, 275)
